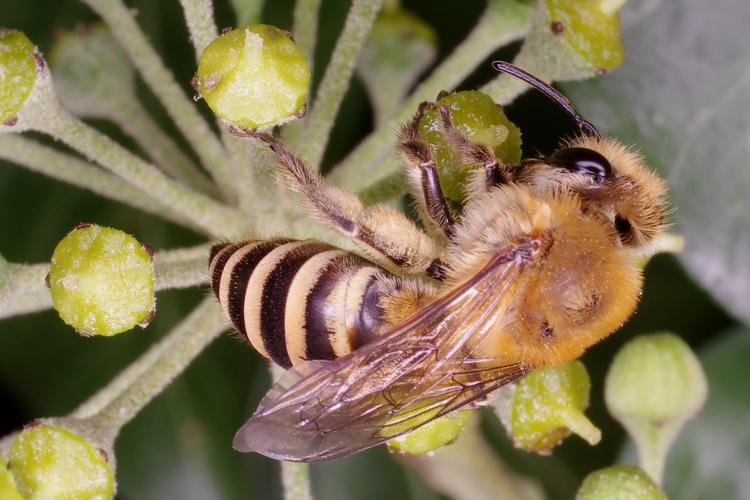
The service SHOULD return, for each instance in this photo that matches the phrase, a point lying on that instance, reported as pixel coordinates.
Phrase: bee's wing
(418, 371)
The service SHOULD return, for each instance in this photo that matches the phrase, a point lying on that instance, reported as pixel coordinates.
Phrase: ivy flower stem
(295, 480)
(653, 444)
(305, 26)
(319, 122)
(180, 108)
(25, 289)
(213, 218)
(133, 118)
(64, 167)
(181, 268)
(199, 17)
(112, 407)
(295, 477)
(247, 11)
(501, 23)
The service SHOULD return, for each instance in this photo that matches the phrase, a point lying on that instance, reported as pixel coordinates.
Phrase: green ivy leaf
(682, 97)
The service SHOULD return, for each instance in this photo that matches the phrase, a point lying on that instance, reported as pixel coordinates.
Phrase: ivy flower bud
(102, 281)
(591, 29)
(436, 434)
(654, 385)
(91, 71)
(8, 490)
(51, 462)
(254, 77)
(619, 482)
(481, 121)
(547, 405)
(17, 72)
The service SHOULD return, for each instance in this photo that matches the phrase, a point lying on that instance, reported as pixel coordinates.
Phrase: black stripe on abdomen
(219, 256)
(274, 297)
(241, 275)
(318, 310)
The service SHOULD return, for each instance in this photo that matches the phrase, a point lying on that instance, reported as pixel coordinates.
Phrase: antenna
(548, 90)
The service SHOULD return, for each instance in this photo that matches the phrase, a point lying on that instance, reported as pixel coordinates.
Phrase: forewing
(418, 371)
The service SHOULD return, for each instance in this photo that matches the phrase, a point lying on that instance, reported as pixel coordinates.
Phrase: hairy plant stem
(199, 17)
(295, 477)
(264, 199)
(319, 122)
(247, 11)
(25, 289)
(213, 218)
(653, 441)
(502, 22)
(43, 113)
(61, 166)
(305, 27)
(295, 481)
(180, 108)
(181, 268)
(386, 188)
(136, 121)
(112, 407)
(200, 21)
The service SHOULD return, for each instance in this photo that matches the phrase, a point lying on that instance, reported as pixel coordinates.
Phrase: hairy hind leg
(384, 233)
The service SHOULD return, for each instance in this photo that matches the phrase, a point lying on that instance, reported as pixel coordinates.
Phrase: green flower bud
(482, 121)
(431, 436)
(102, 281)
(654, 385)
(254, 77)
(547, 405)
(17, 72)
(567, 40)
(401, 46)
(90, 71)
(50, 462)
(590, 30)
(8, 490)
(619, 482)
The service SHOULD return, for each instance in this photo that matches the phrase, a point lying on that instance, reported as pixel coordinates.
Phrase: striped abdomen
(298, 300)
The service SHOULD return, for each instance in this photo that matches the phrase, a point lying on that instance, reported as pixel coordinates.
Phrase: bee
(540, 264)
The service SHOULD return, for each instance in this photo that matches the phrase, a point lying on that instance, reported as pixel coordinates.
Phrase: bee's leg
(491, 172)
(385, 233)
(422, 174)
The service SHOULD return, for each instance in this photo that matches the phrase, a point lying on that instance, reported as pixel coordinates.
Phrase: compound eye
(583, 160)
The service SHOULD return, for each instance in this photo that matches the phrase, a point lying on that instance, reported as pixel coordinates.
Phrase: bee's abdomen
(297, 300)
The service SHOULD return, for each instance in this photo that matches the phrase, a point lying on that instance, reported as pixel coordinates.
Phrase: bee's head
(613, 181)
